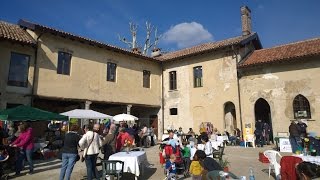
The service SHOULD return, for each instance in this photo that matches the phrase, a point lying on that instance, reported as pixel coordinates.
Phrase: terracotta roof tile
(15, 33)
(283, 53)
(204, 48)
(35, 26)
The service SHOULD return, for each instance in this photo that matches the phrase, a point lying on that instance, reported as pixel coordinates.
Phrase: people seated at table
(308, 171)
(180, 132)
(109, 142)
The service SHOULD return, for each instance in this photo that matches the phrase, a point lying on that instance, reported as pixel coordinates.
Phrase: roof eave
(35, 27)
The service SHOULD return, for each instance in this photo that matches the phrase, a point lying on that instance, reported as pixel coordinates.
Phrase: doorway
(230, 120)
(262, 111)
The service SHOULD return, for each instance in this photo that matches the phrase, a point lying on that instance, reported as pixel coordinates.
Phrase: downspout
(238, 85)
(35, 69)
(162, 102)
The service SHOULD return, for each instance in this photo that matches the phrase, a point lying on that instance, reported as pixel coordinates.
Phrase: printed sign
(285, 145)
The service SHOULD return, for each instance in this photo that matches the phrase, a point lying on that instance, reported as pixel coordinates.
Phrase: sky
(181, 24)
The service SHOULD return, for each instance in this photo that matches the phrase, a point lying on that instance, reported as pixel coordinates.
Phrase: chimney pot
(246, 20)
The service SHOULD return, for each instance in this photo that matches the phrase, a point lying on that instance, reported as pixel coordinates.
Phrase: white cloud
(187, 34)
(90, 23)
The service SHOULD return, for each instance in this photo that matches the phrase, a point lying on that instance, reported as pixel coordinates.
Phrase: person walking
(69, 152)
(109, 142)
(91, 144)
(26, 145)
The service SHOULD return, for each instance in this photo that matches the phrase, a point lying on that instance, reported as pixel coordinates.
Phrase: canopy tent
(86, 114)
(124, 117)
(27, 113)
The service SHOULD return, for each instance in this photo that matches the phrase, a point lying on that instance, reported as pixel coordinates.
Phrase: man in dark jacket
(294, 137)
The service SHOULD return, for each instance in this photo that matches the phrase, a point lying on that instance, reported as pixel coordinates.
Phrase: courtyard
(241, 159)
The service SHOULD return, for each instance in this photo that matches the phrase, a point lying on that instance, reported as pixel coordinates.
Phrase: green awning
(27, 113)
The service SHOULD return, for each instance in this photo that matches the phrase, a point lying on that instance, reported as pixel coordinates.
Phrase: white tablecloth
(222, 138)
(132, 161)
(216, 144)
(312, 159)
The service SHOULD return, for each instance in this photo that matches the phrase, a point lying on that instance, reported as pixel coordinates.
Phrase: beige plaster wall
(279, 84)
(202, 104)
(89, 71)
(11, 94)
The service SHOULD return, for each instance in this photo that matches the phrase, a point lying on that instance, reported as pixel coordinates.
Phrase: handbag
(86, 150)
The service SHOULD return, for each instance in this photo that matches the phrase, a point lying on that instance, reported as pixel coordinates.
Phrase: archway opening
(262, 112)
(230, 120)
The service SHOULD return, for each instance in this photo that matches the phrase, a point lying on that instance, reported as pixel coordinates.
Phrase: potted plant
(224, 163)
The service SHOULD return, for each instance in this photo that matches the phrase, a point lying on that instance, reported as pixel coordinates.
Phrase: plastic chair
(272, 157)
(219, 154)
(249, 138)
(111, 167)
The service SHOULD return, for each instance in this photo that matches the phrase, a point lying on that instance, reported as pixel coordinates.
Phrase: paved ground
(241, 159)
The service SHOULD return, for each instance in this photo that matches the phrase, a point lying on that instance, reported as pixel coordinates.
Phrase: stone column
(129, 109)
(86, 106)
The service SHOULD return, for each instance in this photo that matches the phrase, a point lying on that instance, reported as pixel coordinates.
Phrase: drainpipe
(35, 69)
(238, 85)
(162, 104)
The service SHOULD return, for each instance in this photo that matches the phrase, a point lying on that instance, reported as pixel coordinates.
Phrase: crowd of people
(194, 162)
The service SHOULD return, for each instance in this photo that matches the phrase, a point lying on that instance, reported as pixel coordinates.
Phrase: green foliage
(224, 162)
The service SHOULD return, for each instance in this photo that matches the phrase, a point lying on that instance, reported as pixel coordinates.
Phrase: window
(64, 63)
(173, 111)
(301, 107)
(146, 79)
(173, 80)
(111, 72)
(197, 74)
(18, 70)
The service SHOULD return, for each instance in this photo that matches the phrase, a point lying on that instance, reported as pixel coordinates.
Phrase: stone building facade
(228, 83)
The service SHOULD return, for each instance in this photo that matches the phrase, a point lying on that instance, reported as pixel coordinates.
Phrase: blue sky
(182, 23)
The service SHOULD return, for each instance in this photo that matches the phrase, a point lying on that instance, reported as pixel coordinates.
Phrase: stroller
(4, 156)
(168, 150)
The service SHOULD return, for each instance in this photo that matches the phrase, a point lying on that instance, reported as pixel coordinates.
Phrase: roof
(202, 48)
(42, 28)
(15, 33)
(283, 53)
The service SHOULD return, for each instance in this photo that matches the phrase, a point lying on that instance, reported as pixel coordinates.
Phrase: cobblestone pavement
(241, 159)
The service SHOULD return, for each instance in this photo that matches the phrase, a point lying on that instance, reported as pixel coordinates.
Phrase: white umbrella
(124, 117)
(86, 114)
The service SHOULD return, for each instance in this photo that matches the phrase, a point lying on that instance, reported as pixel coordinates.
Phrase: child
(196, 168)
(171, 167)
(186, 153)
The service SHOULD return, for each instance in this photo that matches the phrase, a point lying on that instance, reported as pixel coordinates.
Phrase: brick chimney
(246, 20)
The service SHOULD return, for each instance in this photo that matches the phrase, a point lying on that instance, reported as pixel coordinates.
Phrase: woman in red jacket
(26, 145)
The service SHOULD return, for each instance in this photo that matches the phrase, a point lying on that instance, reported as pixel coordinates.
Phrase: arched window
(301, 107)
